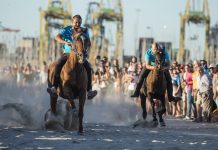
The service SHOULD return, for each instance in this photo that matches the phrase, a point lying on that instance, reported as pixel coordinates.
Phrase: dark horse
(154, 89)
(73, 79)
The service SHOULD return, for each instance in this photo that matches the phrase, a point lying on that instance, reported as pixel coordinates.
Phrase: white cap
(212, 66)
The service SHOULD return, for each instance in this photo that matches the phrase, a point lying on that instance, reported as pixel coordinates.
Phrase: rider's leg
(142, 77)
(170, 87)
(89, 74)
(60, 63)
(88, 68)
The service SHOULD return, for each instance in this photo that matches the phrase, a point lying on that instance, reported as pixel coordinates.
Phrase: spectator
(189, 86)
(195, 92)
(215, 87)
(205, 92)
(177, 92)
(212, 69)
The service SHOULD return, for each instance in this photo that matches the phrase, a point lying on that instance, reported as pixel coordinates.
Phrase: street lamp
(136, 33)
(164, 34)
(149, 28)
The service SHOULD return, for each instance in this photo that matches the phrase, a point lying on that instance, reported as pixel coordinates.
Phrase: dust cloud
(26, 106)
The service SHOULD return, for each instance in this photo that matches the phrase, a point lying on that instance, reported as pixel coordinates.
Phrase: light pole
(149, 34)
(136, 32)
(164, 34)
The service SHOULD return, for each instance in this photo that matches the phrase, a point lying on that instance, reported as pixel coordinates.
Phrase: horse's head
(159, 57)
(79, 46)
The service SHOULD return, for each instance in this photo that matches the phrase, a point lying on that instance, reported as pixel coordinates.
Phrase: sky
(162, 16)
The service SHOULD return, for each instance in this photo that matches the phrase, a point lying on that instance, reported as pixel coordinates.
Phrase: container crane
(98, 14)
(197, 17)
(57, 15)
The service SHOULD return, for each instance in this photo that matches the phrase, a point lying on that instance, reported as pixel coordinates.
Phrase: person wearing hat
(212, 69)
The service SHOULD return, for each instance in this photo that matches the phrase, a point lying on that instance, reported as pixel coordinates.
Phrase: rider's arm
(149, 66)
(59, 39)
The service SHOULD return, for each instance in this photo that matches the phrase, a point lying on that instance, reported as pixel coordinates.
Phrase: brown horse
(155, 88)
(73, 79)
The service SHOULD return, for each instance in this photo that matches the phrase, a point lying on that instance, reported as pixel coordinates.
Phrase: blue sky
(161, 15)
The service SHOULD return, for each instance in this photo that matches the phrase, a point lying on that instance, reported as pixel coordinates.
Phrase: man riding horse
(150, 65)
(66, 37)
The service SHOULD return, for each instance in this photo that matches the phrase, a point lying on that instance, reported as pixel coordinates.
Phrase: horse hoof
(137, 123)
(92, 94)
(162, 124)
(144, 115)
(154, 123)
(80, 133)
(51, 92)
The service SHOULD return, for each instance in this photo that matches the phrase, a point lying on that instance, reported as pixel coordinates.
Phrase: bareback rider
(66, 37)
(150, 65)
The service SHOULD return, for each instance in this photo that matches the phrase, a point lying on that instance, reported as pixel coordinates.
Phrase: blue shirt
(176, 80)
(150, 57)
(67, 35)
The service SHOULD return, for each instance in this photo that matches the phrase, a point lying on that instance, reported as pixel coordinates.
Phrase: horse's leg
(151, 99)
(67, 91)
(162, 111)
(72, 104)
(53, 102)
(143, 105)
(82, 98)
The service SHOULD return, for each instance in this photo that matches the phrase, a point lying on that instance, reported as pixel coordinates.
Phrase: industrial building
(27, 50)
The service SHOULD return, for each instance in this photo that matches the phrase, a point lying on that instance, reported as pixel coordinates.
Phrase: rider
(150, 65)
(66, 37)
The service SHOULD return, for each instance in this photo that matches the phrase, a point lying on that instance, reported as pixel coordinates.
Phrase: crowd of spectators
(22, 75)
(195, 83)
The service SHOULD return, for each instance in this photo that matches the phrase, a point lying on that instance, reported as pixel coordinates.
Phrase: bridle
(159, 62)
(78, 54)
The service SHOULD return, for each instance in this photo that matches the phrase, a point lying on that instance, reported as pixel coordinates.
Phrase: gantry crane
(57, 15)
(197, 17)
(98, 14)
